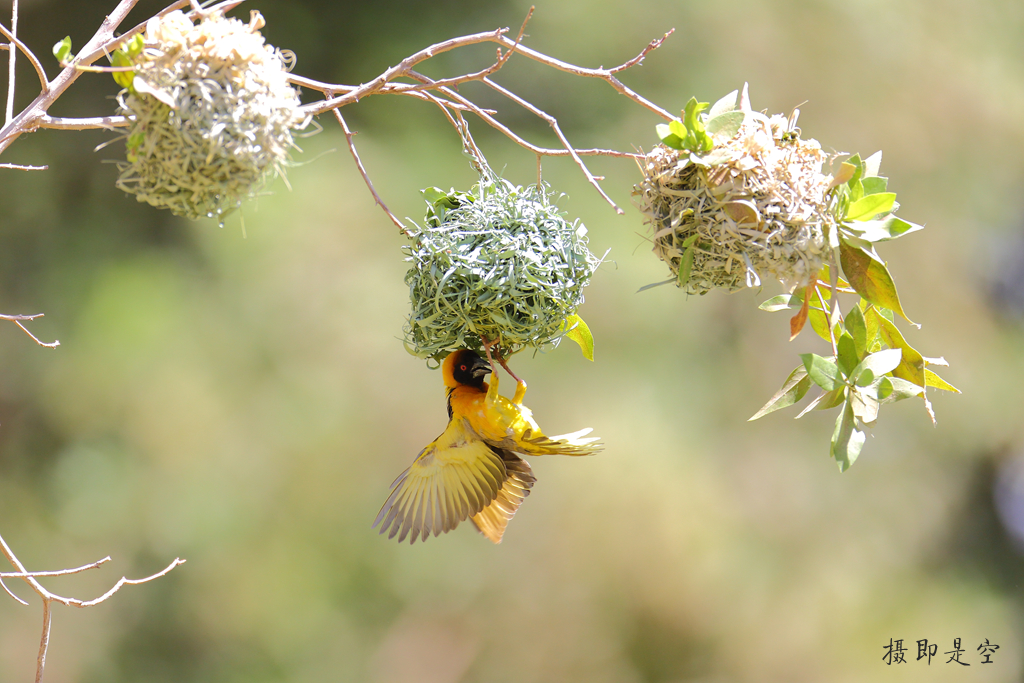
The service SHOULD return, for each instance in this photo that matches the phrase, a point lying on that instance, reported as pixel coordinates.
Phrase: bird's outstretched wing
(456, 477)
(493, 519)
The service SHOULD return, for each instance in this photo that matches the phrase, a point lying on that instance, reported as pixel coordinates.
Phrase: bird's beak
(480, 368)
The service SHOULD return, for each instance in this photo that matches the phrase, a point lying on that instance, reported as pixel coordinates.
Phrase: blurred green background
(243, 400)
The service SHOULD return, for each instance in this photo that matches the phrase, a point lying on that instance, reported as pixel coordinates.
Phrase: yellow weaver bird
(473, 469)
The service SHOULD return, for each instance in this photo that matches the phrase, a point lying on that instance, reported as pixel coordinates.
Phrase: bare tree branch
(48, 598)
(22, 167)
(362, 171)
(59, 572)
(17, 321)
(387, 83)
(11, 59)
(602, 73)
(36, 64)
(355, 94)
(553, 122)
(62, 123)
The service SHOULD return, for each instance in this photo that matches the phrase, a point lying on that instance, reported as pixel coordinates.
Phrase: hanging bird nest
(746, 202)
(212, 114)
(500, 262)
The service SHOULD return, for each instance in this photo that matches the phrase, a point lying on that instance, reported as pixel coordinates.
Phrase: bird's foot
(487, 350)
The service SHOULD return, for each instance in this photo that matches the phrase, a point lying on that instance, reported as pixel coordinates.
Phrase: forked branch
(48, 598)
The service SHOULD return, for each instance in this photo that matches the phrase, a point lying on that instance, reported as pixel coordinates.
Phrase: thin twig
(59, 572)
(403, 68)
(17, 321)
(22, 167)
(48, 598)
(404, 89)
(833, 314)
(501, 60)
(9, 592)
(63, 123)
(36, 64)
(11, 58)
(366, 177)
(487, 115)
(553, 122)
(603, 74)
(28, 119)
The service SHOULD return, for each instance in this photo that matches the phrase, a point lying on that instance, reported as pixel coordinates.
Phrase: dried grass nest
(755, 206)
(212, 114)
(500, 262)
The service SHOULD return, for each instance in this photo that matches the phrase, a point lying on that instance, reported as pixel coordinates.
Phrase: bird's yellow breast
(493, 417)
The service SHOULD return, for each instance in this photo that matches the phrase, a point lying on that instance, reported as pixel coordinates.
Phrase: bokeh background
(240, 397)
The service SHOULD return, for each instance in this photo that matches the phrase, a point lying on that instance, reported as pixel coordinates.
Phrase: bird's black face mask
(470, 369)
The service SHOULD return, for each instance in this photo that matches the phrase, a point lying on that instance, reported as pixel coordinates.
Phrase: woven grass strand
(501, 262)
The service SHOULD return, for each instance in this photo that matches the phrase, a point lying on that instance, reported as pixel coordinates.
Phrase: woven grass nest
(734, 197)
(212, 113)
(500, 262)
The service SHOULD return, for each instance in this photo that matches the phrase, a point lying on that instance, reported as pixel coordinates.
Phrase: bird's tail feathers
(492, 520)
(564, 444)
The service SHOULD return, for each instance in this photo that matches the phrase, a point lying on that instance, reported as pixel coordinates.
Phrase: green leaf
(657, 284)
(847, 439)
(122, 78)
(135, 45)
(882, 229)
(827, 399)
(727, 103)
(870, 205)
(725, 126)
(847, 359)
(794, 389)
(692, 129)
(685, 266)
(875, 185)
(677, 128)
(872, 164)
(832, 398)
(856, 187)
(898, 389)
(870, 324)
(62, 50)
(865, 406)
(822, 371)
(857, 327)
(817, 316)
(911, 366)
(878, 364)
(933, 380)
(580, 333)
(669, 138)
(870, 278)
(777, 303)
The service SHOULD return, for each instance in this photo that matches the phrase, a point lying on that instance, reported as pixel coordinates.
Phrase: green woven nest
(212, 115)
(500, 262)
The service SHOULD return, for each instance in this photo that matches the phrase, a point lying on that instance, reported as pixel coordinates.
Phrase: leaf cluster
(872, 364)
(695, 131)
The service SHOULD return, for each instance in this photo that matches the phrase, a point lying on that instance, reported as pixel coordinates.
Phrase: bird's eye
(462, 367)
